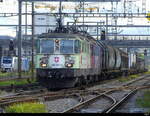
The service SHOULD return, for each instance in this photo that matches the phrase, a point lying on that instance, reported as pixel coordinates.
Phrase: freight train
(67, 59)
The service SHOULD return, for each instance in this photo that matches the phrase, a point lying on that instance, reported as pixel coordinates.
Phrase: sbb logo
(56, 59)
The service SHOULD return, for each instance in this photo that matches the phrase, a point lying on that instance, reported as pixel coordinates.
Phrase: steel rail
(80, 105)
(120, 102)
(45, 97)
(115, 106)
(113, 99)
(87, 102)
(138, 79)
(54, 95)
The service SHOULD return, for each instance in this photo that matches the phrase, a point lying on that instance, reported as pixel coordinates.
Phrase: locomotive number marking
(56, 64)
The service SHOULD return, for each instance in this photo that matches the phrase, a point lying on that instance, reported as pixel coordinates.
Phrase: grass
(27, 107)
(125, 79)
(145, 101)
(9, 74)
(147, 72)
(16, 82)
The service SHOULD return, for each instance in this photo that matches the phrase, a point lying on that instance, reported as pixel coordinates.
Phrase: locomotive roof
(68, 35)
(57, 35)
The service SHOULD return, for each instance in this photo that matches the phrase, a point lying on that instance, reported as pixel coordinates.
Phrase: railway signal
(11, 45)
(103, 37)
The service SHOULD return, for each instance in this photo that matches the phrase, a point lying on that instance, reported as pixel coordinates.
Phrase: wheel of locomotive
(113, 75)
(106, 76)
(110, 75)
(97, 78)
(83, 80)
(86, 80)
(78, 82)
(92, 79)
(89, 79)
(102, 76)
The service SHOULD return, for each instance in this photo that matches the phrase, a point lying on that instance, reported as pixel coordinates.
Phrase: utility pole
(83, 14)
(124, 7)
(32, 70)
(19, 39)
(26, 21)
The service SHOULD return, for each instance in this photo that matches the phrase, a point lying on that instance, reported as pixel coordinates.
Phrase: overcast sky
(10, 6)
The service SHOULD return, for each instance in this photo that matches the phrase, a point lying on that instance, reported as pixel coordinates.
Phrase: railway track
(40, 97)
(123, 100)
(29, 86)
(116, 103)
(47, 96)
(37, 95)
(110, 107)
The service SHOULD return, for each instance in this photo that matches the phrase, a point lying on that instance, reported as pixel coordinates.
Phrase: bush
(26, 108)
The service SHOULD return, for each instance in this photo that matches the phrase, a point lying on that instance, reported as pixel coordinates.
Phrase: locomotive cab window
(66, 46)
(47, 46)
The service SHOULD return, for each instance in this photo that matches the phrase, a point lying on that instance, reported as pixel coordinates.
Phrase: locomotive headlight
(69, 65)
(44, 62)
(44, 65)
(69, 62)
